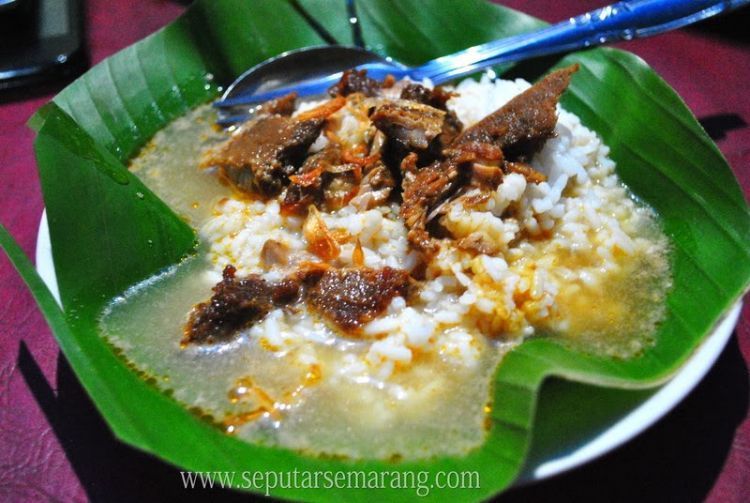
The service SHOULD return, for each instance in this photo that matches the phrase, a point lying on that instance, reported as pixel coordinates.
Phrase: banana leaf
(108, 230)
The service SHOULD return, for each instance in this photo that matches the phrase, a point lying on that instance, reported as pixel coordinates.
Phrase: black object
(41, 41)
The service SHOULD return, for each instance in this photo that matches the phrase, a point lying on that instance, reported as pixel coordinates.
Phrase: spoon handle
(620, 21)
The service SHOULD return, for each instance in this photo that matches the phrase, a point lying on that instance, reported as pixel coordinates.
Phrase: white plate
(623, 426)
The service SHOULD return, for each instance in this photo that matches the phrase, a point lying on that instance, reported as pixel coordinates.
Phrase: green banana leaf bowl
(109, 231)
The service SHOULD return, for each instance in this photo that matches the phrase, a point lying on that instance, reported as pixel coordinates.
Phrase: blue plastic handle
(616, 22)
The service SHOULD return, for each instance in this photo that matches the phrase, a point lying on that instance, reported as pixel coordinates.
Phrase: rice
(569, 233)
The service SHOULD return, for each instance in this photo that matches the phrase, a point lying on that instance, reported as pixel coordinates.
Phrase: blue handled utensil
(312, 70)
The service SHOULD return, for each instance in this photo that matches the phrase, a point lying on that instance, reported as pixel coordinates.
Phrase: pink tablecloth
(54, 446)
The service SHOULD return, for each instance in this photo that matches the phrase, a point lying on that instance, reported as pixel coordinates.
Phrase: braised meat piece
(412, 125)
(264, 152)
(353, 81)
(521, 126)
(235, 304)
(352, 297)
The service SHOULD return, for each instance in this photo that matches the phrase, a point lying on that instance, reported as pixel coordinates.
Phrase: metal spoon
(312, 70)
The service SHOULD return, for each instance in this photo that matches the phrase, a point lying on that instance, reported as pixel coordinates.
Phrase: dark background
(55, 447)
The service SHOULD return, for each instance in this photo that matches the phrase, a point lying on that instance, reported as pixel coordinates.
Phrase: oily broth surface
(273, 397)
(169, 166)
(317, 410)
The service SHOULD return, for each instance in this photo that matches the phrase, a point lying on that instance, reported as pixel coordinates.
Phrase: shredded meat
(424, 189)
(434, 160)
(415, 144)
(352, 297)
(306, 187)
(264, 152)
(328, 179)
(522, 125)
(236, 304)
(342, 186)
(471, 199)
(479, 156)
(353, 81)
